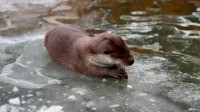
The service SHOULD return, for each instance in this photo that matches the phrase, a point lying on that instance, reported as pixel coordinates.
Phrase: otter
(105, 54)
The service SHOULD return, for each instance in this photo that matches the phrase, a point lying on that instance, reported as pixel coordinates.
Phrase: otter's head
(111, 50)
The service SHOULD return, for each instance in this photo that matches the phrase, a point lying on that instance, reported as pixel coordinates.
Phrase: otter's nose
(131, 61)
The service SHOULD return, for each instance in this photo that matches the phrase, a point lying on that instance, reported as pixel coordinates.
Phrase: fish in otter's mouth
(105, 61)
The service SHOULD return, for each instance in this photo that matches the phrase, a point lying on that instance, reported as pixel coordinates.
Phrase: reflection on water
(163, 35)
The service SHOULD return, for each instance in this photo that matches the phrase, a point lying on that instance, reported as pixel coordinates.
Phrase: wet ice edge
(8, 72)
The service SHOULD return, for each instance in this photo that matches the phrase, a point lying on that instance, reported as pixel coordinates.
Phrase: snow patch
(72, 97)
(15, 89)
(8, 108)
(14, 101)
(51, 109)
(114, 106)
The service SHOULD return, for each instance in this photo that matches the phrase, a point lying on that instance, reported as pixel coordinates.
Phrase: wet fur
(71, 46)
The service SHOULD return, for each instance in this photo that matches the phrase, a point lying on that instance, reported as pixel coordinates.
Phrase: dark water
(162, 34)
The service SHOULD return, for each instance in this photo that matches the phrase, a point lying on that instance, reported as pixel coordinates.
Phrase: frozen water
(150, 87)
(26, 70)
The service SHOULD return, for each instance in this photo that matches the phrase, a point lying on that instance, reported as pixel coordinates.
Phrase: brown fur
(103, 55)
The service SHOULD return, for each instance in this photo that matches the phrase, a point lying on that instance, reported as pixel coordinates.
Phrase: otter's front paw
(125, 75)
(119, 73)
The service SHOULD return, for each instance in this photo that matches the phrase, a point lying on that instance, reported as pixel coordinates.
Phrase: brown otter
(105, 54)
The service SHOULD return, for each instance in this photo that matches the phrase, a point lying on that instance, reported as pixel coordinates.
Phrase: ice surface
(26, 70)
(151, 86)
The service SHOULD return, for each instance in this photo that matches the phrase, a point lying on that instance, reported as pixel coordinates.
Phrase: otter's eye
(106, 52)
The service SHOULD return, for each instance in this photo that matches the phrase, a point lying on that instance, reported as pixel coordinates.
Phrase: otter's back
(60, 41)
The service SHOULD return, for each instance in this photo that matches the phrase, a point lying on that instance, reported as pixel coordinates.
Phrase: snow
(15, 89)
(53, 109)
(129, 86)
(114, 106)
(8, 108)
(72, 97)
(104, 80)
(14, 101)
